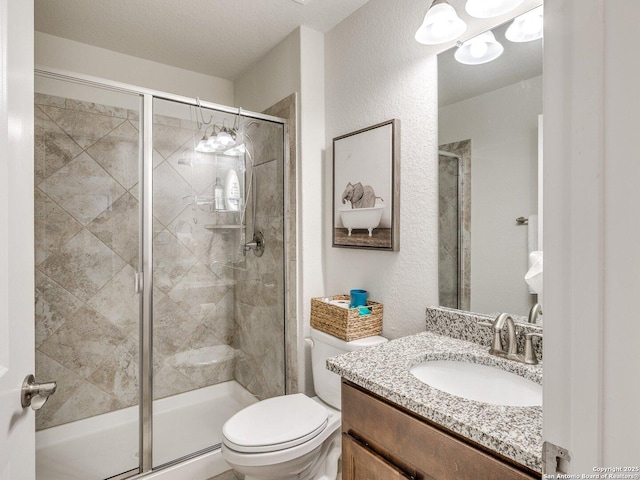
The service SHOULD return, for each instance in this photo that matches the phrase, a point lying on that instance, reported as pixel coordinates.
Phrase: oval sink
(481, 383)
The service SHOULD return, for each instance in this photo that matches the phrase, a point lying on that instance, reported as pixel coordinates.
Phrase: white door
(17, 432)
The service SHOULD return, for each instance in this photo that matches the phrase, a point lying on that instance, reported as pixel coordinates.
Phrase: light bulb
(441, 24)
(478, 49)
(224, 139)
(532, 25)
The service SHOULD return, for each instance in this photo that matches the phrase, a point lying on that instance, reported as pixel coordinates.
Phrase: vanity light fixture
(480, 49)
(441, 24)
(527, 27)
(490, 8)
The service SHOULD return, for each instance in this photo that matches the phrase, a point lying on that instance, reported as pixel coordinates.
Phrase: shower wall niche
(218, 318)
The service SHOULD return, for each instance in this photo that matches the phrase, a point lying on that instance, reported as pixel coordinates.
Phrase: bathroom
(384, 75)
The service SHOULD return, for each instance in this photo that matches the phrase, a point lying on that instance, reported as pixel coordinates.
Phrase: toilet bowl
(293, 436)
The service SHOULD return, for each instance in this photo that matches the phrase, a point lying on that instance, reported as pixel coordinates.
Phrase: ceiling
(222, 38)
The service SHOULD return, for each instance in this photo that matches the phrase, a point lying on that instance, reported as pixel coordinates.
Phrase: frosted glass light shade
(441, 24)
(490, 8)
(526, 27)
(481, 49)
(204, 146)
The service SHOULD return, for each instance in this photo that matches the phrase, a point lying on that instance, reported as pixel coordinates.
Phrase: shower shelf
(218, 227)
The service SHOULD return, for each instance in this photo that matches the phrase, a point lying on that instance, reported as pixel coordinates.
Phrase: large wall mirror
(489, 170)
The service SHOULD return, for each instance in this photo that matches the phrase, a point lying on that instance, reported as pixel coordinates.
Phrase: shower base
(100, 447)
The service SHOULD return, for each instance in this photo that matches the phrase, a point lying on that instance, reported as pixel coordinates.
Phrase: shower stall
(161, 281)
(454, 225)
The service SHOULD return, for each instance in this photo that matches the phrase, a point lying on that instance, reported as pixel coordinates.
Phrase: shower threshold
(107, 445)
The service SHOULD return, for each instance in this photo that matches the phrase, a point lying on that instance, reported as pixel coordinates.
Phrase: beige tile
(200, 177)
(88, 401)
(83, 342)
(53, 227)
(168, 139)
(84, 128)
(171, 262)
(68, 382)
(169, 192)
(82, 188)
(118, 373)
(119, 154)
(51, 100)
(97, 108)
(197, 289)
(171, 326)
(53, 147)
(118, 302)
(167, 381)
(83, 265)
(118, 228)
(53, 306)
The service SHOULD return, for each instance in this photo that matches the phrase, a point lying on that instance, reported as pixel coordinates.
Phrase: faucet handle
(496, 344)
(529, 353)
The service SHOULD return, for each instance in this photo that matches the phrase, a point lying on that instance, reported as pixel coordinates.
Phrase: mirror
(488, 124)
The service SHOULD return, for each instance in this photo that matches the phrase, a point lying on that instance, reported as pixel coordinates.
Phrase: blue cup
(358, 298)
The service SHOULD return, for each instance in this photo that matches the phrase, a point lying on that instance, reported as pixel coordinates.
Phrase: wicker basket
(346, 323)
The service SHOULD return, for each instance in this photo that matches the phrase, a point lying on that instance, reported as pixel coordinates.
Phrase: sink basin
(479, 382)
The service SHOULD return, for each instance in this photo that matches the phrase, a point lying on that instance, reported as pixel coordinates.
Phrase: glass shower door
(87, 164)
(196, 251)
(218, 306)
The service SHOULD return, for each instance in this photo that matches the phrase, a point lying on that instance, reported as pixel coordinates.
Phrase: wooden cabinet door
(360, 463)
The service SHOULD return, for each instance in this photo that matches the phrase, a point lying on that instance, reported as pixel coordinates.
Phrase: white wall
(274, 77)
(503, 128)
(81, 58)
(592, 232)
(376, 71)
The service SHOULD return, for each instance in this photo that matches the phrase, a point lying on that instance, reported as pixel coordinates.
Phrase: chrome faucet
(511, 350)
(497, 348)
(535, 311)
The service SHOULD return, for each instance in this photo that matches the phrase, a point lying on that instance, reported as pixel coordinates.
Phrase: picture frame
(366, 188)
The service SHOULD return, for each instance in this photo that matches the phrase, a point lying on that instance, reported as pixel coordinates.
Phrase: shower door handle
(35, 395)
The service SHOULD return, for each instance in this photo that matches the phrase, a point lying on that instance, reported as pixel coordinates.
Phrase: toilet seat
(275, 424)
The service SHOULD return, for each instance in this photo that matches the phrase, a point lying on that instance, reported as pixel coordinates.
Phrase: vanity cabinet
(382, 441)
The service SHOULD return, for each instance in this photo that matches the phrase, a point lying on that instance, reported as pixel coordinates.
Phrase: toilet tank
(326, 383)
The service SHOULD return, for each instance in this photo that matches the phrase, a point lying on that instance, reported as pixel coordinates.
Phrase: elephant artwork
(360, 196)
(366, 212)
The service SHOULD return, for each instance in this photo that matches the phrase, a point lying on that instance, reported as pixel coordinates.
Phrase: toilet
(293, 436)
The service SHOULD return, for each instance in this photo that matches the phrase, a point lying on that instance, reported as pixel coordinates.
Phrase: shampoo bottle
(218, 195)
(232, 191)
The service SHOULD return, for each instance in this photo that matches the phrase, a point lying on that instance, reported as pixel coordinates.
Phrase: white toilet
(293, 436)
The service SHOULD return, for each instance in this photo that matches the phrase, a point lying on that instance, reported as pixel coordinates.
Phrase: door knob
(35, 395)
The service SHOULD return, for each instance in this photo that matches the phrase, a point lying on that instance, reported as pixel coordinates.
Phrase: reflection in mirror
(488, 167)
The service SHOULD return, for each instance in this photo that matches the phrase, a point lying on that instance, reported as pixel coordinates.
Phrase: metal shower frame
(144, 278)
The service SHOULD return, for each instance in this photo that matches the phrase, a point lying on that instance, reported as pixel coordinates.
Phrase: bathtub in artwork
(362, 218)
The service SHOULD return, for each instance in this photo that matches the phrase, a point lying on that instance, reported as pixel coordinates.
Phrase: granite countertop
(514, 432)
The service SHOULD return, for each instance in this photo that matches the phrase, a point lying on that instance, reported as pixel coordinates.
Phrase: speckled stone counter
(515, 432)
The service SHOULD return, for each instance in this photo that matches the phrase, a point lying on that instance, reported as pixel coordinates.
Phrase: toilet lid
(275, 424)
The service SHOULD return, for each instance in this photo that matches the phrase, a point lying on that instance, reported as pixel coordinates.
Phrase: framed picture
(366, 188)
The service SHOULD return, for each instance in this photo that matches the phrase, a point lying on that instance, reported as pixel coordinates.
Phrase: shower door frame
(144, 278)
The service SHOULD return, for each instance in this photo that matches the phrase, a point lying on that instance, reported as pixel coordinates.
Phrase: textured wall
(376, 71)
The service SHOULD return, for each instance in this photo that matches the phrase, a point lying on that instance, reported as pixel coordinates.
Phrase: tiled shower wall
(86, 203)
(259, 330)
